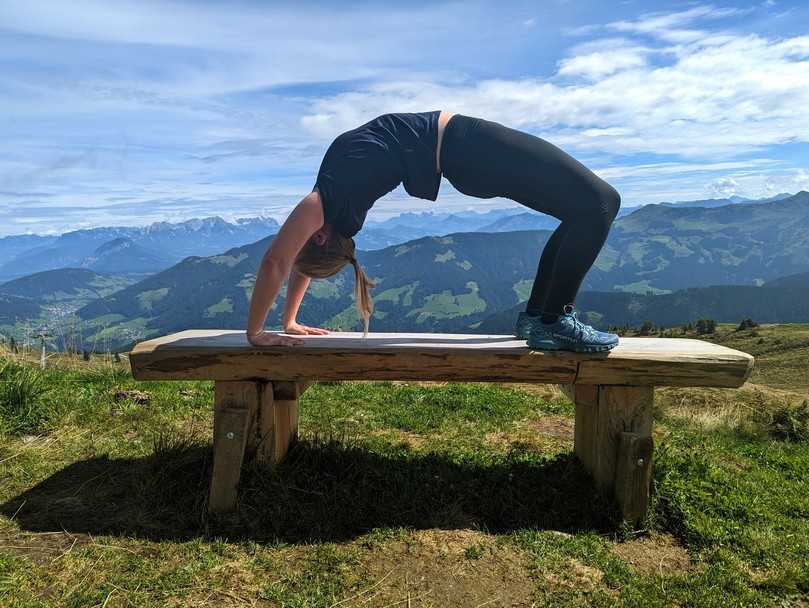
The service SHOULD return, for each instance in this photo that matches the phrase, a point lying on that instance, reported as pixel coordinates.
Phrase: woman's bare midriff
(443, 119)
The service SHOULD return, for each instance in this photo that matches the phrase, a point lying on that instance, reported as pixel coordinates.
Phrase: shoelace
(581, 331)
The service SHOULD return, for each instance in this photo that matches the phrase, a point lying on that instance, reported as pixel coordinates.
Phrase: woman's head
(325, 254)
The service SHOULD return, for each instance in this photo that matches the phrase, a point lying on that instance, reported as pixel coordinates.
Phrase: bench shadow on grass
(324, 491)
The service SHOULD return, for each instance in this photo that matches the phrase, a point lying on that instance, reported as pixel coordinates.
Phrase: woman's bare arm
(296, 288)
(302, 223)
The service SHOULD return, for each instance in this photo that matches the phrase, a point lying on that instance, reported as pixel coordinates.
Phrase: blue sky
(129, 112)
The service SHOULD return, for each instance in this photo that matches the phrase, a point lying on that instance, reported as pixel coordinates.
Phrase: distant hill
(14, 309)
(458, 281)
(12, 246)
(454, 282)
(73, 285)
(433, 283)
(374, 237)
(522, 221)
(448, 222)
(721, 202)
(726, 303)
(171, 242)
(167, 242)
(660, 248)
(533, 220)
(124, 256)
(800, 280)
(410, 226)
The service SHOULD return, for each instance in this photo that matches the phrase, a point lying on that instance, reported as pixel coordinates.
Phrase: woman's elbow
(272, 265)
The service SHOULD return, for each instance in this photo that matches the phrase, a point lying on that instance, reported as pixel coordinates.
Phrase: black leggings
(486, 159)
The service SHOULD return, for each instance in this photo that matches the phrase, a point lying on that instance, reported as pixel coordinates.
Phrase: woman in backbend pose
(480, 158)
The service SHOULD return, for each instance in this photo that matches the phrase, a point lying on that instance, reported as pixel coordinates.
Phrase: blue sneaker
(568, 333)
(525, 323)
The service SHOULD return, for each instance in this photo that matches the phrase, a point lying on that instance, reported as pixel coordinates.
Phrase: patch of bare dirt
(657, 554)
(558, 427)
(134, 395)
(447, 568)
(543, 433)
(42, 547)
(577, 576)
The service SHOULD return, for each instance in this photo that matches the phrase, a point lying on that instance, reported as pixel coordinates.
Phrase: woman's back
(365, 163)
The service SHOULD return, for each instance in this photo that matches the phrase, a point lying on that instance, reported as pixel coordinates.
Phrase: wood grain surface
(226, 355)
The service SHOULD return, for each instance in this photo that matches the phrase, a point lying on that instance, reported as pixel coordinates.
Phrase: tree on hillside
(706, 326)
(747, 323)
(646, 328)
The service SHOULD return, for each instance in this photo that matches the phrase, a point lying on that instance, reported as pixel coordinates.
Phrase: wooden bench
(257, 389)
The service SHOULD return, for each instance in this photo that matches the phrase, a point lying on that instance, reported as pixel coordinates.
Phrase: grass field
(400, 494)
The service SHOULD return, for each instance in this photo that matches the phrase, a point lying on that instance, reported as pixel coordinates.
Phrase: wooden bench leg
(613, 440)
(235, 407)
(278, 421)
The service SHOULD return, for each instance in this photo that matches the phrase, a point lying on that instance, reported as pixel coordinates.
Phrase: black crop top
(364, 164)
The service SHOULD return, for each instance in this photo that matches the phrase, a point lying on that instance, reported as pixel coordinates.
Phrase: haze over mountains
(721, 202)
(471, 280)
(148, 249)
(128, 250)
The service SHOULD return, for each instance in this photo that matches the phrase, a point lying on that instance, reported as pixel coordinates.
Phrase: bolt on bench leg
(613, 440)
(256, 417)
(235, 407)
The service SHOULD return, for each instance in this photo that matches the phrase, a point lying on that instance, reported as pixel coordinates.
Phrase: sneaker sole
(572, 348)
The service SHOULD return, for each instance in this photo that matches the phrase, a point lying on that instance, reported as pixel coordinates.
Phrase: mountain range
(660, 248)
(457, 282)
(731, 200)
(723, 303)
(70, 288)
(128, 250)
(147, 249)
(739, 259)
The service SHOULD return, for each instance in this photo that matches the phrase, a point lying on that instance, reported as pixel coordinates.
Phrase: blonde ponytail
(362, 295)
(323, 261)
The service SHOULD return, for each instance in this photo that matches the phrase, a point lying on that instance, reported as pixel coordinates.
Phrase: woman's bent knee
(610, 202)
(599, 208)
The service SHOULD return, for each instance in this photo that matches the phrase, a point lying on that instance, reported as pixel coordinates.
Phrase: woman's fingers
(271, 339)
(304, 330)
(287, 341)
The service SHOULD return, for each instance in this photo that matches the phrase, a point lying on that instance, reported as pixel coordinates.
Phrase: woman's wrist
(254, 332)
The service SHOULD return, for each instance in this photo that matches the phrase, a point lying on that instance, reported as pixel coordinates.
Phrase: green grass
(25, 406)
(446, 305)
(420, 494)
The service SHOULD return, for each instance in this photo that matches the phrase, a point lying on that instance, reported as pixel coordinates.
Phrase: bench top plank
(217, 354)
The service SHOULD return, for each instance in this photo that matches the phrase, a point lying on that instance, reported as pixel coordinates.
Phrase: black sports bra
(362, 165)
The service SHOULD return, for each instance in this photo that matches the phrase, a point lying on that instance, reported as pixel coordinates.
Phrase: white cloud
(174, 104)
(674, 170)
(667, 26)
(601, 58)
(724, 187)
(735, 95)
(597, 65)
(801, 179)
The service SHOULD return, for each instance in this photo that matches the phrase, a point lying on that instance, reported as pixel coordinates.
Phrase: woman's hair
(322, 261)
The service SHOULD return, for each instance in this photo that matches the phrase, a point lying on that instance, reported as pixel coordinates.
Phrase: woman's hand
(297, 328)
(267, 338)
